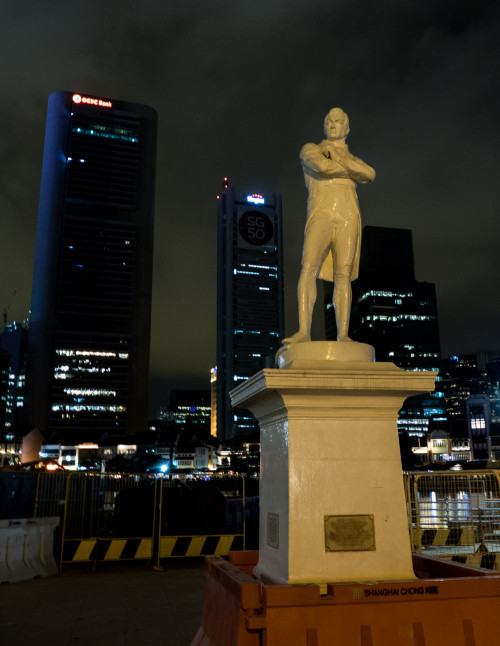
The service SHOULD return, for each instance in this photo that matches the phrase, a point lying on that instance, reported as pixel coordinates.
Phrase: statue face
(336, 125)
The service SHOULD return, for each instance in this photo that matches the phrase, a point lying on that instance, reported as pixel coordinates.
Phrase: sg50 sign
(255, 228)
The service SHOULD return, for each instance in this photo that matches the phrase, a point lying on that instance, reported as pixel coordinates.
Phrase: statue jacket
(327, 167)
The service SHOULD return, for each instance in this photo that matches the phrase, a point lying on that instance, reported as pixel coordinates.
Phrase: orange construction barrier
(454, 605)
(231, 598)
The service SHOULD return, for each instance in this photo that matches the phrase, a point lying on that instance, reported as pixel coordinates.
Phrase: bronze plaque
(349, 533)
(273, 530)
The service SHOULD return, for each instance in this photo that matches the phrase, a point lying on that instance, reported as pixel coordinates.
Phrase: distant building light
(240, 271)
(129, 448)
(256, 198)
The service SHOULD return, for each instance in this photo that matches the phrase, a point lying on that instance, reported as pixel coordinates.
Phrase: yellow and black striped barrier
(107, 549)
(128, 549)
(219, 545)
(441, 537)
(490, 561)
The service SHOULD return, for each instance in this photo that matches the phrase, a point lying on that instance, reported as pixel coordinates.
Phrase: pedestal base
(332, 504)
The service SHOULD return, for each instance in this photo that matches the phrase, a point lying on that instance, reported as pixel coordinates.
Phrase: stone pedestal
(332, 505)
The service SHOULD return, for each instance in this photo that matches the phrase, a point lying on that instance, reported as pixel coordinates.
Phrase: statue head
(336, 124)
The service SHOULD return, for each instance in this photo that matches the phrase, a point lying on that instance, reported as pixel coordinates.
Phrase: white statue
(332, 237)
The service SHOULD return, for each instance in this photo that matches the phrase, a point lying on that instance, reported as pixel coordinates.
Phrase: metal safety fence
(455, 515)
(127, 517)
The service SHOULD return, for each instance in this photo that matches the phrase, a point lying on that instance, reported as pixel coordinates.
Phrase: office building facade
(4, 387)
(397, 315)
(14, 340)
(250, 312)
(188, 409)
(479, 426)
(88, 356)
(391, 310)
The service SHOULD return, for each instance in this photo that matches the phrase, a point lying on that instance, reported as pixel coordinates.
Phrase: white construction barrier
(26, 549)
(39, 545)
(4, 535)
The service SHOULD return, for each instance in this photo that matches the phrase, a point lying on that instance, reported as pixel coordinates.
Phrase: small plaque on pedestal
(349, 533)
(273, 530)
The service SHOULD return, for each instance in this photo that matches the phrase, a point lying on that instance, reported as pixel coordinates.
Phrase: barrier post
(417, 546)
(243, 496)
(406, 481)
(156, 529)
(63, 522)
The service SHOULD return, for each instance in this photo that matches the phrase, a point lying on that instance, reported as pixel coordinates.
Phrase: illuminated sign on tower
(102, 103)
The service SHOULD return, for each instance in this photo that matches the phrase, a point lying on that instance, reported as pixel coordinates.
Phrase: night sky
(239, 87)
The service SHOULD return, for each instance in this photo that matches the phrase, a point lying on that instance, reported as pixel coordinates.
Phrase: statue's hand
(335, 156)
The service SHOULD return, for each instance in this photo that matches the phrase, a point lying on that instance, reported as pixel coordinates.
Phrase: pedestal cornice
(340, 386)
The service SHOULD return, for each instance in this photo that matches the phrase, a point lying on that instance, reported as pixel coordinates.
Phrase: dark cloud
(239, 87)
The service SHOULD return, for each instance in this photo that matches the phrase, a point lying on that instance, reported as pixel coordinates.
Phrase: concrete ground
(125, 604)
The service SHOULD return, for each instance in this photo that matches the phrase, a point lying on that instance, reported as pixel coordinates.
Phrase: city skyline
(238, 90)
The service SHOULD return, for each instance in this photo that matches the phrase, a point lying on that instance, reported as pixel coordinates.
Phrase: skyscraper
(88, 354)
(479, 423)
(397, 315)
(391, 310)
(250, 313)
(188, 409)
(15, 341)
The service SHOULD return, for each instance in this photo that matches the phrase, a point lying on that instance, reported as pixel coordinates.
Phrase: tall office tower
(213, 401)
(493, 373)
(188, 408)
(460, 377)
(250, 313)
(88, 353)
(4, 387)
(395, 314)
(15, 341)
(479, 426)
(392, 311)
